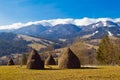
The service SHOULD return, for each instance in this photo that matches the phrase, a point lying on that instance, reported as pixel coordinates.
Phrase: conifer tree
(106, 51)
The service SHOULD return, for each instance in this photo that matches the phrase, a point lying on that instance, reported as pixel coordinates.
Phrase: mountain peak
(104, 24)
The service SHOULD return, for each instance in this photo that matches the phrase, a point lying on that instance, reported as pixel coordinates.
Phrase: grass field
(98, 73)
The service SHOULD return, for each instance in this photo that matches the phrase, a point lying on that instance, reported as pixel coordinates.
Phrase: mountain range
(41, 35)
(67, 29)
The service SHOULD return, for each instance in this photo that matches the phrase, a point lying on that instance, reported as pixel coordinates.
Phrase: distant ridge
(67, 29)
(79, 22)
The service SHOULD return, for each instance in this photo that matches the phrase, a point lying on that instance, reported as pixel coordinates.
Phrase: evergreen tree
(106, 51)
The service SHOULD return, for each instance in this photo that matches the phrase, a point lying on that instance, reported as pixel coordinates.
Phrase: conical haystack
(50, 60)
(34, 61)
(10, 62)
(69, 60)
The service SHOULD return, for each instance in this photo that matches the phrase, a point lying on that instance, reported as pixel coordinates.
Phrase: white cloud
(80, 22)
(54, 22)
(12, 26)
(117, 20)
(84, 21)
(104, 19)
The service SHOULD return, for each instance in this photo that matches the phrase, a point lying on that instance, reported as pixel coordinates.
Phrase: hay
(50, 60)
(69, 60)
(34, 61)
(11, 62)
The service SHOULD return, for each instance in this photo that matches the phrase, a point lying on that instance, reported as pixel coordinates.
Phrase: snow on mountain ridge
(79, 22)
(104, 24)
(95, 33)
(110, 34)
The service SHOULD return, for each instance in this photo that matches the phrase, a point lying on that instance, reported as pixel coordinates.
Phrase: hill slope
(11, 43)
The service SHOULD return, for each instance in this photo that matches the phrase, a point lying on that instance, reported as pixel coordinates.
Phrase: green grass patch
(54, 73)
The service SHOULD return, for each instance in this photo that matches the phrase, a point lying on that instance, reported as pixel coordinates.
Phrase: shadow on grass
(57, 68)
(89, 68)
(68, 68)
(72, 68)
(45, 69)
(52, 69)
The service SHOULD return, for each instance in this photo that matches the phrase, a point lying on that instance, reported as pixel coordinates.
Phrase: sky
(14, 11)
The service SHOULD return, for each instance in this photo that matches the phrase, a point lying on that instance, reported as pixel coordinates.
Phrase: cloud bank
(79, 22)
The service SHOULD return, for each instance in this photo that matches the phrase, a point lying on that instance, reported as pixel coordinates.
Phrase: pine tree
(106, 51)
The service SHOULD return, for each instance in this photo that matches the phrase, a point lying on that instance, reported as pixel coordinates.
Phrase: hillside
(36, 43)
(10, 44)
(61, 31)
(33, 30)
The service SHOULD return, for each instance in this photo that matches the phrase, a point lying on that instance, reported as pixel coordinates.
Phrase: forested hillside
(10, 44)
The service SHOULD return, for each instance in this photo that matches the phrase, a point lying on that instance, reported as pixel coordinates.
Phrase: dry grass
(53, 73)
(36, 46)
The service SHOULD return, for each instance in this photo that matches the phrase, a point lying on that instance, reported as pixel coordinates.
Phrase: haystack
(69, 60)
(34, 61)
(10, 62)
(50, 60)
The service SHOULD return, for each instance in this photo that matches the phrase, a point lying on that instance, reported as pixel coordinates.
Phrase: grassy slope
(35, 42)
(18, 73)
(36, 46)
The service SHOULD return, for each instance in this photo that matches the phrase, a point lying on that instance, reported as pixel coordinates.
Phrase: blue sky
(12, 11)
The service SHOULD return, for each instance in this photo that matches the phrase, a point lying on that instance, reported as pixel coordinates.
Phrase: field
(53, 73)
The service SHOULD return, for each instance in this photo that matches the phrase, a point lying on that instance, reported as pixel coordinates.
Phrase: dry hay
(34, 61)
(69, 60)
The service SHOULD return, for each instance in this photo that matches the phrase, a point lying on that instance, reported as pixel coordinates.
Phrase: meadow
(54, 73)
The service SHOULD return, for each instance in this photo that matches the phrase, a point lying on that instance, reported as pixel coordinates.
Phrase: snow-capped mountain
(79, 22)
(104, 24)
(57, 29)
(101, 28)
